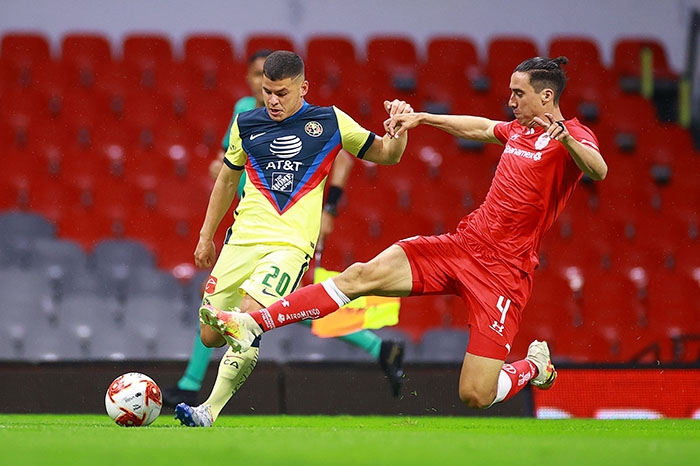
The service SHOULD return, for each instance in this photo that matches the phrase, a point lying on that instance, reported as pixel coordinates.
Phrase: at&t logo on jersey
(286, 147)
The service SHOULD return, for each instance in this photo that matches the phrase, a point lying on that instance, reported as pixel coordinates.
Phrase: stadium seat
(22, 107)
(419, 313)
(504, 53)
(627, 62)
(674, 304)
(450, 64)
(22, 54)
(61, 260)
(111, 254)
(211, 57)
(209, 51)
(394, 61)
(332, 70)
(307, 347)
(81, 55)
(144, 57)
(587, 77)
(25, 225)
(443, 345)
(391, 68)
(26, 299)
(25, 47)
(270, 41)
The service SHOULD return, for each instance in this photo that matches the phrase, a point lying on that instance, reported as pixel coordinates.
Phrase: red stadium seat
(146, 49)
(144, 56)
(24, 49)
(451, 63)
(82, 53)
(588, 78)
(209, 50)
(504, 53)
(390, 71)
(211, 58)
(272, 41)
(627, 61)
(332, 69)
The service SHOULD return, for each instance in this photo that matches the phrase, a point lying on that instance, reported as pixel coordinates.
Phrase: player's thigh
(387, 274)
(276, 274)
(233, 267)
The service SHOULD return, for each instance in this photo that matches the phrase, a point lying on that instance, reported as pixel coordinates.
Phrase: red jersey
(533, 181)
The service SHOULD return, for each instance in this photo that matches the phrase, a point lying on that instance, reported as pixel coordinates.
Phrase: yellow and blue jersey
(287, 164)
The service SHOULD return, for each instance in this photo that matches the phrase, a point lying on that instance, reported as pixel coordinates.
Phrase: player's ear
(304, 88)
(546, 96)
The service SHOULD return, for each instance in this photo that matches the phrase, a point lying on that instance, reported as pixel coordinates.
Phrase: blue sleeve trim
(365, 148)
(232, 166)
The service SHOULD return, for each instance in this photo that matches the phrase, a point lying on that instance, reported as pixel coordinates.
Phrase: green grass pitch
(347, 440)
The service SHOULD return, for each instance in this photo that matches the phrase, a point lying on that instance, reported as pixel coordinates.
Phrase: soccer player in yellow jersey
(388, 353)
(286, 149)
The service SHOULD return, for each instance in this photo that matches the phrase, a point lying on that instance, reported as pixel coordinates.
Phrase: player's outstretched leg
(538, 353)
(198, 416)
(238, 328)
(391, 360)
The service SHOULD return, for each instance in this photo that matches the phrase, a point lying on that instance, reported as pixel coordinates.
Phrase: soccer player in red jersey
(490, 258)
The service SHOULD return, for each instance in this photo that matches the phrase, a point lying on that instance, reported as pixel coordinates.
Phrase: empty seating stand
(108, 144)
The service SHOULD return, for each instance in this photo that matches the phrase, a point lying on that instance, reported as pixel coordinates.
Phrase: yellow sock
(234, 369)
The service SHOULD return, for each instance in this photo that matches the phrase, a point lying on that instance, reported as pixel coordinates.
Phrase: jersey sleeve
(584, 135)
(235, 157)
(355, 138)
(502, 130)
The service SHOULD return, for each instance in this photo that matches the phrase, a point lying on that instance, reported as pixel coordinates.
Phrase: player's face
(254, 77)
(525, 102)
(283, 98)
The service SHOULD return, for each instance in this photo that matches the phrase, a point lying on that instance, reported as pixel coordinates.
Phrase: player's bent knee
(475, 399)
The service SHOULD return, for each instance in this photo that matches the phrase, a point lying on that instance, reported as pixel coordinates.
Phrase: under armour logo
(285, 303)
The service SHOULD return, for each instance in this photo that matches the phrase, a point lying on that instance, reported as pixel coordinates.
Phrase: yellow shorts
(262, 271)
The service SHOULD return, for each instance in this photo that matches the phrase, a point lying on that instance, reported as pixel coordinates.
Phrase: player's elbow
(598, 173)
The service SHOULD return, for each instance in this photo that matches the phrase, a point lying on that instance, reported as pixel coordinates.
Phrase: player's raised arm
(462, 126)
(388, 149)
(587, 158)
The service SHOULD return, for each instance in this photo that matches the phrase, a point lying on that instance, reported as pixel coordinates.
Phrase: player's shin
(309, 302)
(513, 378)
(234, 369)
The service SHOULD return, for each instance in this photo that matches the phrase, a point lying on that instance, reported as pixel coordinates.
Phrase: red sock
(309, 302)
(520, 373)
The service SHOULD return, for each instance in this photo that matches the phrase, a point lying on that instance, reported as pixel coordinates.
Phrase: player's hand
(398, 124)
(396, 106)
(205, 253)
(556, 129)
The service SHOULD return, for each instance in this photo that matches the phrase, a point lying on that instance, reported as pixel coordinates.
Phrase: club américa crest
(313, 129)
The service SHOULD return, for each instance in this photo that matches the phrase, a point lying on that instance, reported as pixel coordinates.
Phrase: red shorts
(493, 290)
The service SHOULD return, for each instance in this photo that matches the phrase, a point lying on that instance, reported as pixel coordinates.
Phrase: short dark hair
(282, 64)
(545, 72)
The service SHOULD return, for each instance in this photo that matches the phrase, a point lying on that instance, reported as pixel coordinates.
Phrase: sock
(196, 367)
(363, 339)
(513, 378)
(234, 369)
(309, 302)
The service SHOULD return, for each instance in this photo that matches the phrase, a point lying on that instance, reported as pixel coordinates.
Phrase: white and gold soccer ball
(133, 399)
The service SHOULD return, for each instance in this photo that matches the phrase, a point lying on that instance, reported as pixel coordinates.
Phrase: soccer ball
(133, 399)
